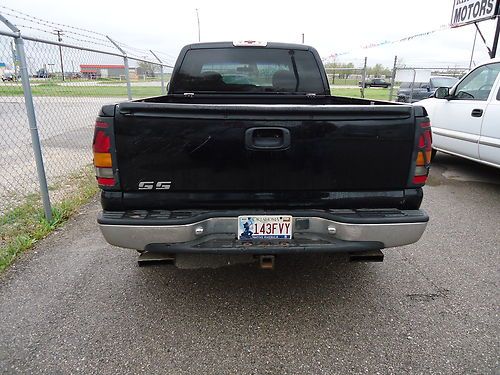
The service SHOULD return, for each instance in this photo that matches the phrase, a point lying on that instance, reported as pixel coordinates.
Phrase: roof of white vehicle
(495, 60)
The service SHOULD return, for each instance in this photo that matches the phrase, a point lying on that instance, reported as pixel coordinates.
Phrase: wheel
(402, 99)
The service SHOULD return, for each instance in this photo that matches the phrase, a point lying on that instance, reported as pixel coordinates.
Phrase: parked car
(8, 76)
(423, 90)
(41, 73)
(375, 82)
(272, 164)
(466, 118)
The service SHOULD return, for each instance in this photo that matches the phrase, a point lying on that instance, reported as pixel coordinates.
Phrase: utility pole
(302, 38)
(198, 18)
(59, 33)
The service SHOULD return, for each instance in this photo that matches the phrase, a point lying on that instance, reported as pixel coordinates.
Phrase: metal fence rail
(50, 94)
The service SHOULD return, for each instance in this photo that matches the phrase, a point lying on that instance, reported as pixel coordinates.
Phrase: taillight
(103, 160)
(424, 153)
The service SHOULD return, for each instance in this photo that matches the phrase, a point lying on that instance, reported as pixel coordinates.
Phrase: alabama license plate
(264, 227)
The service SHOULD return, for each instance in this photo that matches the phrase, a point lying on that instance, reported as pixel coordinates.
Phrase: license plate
(264, 227)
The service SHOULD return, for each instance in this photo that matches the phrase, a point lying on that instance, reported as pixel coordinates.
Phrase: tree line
(376, 70)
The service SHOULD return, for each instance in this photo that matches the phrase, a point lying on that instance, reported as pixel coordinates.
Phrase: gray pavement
(77, 305)
(66, 127)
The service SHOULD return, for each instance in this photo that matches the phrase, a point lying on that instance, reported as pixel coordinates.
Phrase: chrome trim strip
(488, 141)
(137, 236)
(473, 138)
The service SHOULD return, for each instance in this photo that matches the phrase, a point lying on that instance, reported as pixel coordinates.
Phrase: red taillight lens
(102, 141)
(103, 160)
(423, 154)
(106, 181)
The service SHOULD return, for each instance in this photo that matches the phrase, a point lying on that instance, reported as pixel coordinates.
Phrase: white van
(466, 119)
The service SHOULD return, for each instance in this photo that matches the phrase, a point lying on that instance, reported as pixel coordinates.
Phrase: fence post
(125, 62)
(30, 112)
(363, 80)
(393, 78)
(161, 73)
(412, 85)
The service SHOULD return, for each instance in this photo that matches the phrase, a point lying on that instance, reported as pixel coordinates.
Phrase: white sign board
(408, 75)
(470, 11)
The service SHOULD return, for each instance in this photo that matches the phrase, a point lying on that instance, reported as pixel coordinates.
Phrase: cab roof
(268, 45)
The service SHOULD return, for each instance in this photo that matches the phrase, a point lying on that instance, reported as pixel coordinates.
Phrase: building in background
(106, 71)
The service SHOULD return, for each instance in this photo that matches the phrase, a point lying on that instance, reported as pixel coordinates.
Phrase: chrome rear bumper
(307, 231)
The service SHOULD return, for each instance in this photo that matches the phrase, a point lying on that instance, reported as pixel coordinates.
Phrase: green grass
(23, 226)
(376, 94)
(344, 82)
(53, 89)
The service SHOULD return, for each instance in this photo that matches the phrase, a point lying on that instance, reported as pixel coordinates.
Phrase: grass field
(51, 89)
(80, 91)
(377, 94)
(343, 82)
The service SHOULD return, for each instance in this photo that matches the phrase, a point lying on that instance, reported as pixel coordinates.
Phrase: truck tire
(433, 154)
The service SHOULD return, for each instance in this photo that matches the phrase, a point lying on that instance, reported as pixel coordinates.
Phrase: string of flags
(387, 42)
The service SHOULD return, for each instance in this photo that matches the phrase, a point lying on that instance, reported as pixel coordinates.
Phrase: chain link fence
(68, 85)
(381, 83)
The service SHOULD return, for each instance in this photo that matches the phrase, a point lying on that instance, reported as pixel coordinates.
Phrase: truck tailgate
(245, 148)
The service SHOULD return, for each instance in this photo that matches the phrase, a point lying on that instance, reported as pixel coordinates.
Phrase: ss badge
(151, 185)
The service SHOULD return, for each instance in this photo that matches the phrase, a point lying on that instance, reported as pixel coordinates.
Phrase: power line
(50, 22)
(84, 35)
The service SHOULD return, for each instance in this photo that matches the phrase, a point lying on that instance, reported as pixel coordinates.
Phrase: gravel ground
(77, 305)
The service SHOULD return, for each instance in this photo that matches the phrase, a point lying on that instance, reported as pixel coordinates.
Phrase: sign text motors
(470, 11)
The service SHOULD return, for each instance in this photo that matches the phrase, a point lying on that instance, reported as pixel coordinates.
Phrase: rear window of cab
(252, 70)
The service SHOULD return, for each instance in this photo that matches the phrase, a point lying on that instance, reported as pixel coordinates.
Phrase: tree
(147, 69)
(378, 70)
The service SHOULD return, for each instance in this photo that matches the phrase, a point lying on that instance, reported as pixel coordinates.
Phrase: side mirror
(442, 93)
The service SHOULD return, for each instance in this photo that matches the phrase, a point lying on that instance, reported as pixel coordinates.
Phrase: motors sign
(470, 11)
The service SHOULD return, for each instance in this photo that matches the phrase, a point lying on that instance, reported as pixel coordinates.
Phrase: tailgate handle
(267, 138)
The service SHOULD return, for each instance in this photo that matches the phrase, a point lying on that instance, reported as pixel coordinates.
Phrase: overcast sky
(332, 26)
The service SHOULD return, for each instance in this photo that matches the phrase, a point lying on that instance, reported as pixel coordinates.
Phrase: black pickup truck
(248, 153)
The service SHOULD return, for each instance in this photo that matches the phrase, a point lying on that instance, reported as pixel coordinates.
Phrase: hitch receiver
(266, 262)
